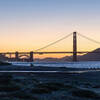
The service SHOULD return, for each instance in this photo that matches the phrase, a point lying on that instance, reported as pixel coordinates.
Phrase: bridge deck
(59, 52)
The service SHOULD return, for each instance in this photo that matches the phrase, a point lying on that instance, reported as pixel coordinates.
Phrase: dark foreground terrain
(50, 86)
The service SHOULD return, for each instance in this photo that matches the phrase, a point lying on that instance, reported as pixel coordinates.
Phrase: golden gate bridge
(30, 55)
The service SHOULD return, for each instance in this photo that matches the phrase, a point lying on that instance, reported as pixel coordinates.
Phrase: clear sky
(27, 25)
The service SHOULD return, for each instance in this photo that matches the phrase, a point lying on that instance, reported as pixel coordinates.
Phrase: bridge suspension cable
(90, 39)
(54, 42)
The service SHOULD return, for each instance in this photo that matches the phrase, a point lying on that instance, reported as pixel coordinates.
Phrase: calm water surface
(87, 64)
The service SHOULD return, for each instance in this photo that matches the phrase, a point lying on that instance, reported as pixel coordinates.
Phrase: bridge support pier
(74, 46)
(16, 56)
(31, 57)
(10, 55)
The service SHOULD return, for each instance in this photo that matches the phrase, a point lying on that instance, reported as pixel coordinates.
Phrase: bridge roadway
(53, 52)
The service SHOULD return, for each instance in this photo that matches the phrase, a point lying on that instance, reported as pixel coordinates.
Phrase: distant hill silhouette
(86, 57)
(3, 58)
(91, 56)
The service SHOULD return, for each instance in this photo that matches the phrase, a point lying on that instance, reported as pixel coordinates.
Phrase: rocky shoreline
(50, 86)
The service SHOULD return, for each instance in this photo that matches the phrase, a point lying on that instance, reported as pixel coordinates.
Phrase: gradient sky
(27, 25)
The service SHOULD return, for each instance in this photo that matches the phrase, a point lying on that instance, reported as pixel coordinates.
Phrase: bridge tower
(16, 56)
(31, 57)
(74, 46)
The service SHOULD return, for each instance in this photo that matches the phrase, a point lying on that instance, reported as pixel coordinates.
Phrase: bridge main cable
(90, 39)
(54, 42)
